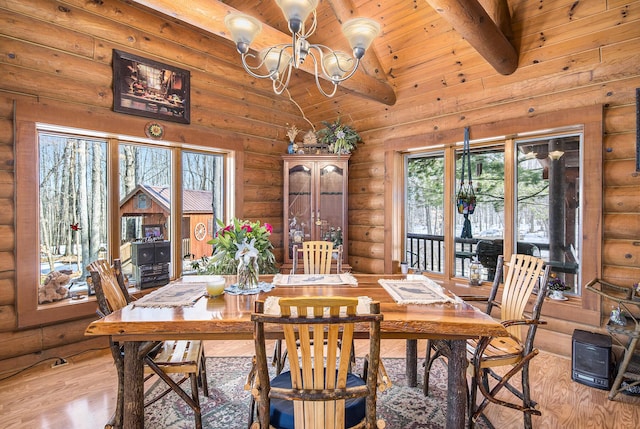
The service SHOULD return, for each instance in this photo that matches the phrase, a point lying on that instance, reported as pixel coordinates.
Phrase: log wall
(571, 54)
(57, 54)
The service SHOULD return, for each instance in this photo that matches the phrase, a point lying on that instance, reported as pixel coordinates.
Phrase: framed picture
(148, 88)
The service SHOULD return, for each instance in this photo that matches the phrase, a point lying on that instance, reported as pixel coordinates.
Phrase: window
(548, 202)
(424, 212)
(202, 188)
(545, 220)
(586, 122)
(485, 225)
(73, 209)
(145, 174)
(83, 195)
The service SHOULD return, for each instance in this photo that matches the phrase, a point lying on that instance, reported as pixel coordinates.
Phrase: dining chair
(163, 358)
(524, 274)
(318, 391)
(317, 257)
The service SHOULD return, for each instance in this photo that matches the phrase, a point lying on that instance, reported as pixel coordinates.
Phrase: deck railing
(425, 252)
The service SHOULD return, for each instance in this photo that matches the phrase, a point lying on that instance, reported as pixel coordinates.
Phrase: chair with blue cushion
(318, 391)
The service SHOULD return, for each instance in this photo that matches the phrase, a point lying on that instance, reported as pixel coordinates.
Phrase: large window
(103, 197)
(526, 203)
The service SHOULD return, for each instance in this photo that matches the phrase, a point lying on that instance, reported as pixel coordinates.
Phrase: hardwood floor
(81, 394)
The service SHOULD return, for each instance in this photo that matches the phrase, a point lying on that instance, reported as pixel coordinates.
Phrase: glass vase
(248, 273)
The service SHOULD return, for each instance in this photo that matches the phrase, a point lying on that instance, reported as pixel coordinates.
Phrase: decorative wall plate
(154, 130)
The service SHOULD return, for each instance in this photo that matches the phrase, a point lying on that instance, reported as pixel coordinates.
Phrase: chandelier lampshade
(244, 29)
(296, 12)
(360, 32)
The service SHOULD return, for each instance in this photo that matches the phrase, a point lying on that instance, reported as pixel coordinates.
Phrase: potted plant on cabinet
(340, 138)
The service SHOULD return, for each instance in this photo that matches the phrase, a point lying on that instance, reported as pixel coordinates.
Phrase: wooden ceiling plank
(471, 20)
(209, 16)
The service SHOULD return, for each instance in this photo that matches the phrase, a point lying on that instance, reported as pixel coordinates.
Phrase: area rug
(227, 406)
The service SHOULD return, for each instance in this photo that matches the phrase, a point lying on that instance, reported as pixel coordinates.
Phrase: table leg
(134, 386)
(411, 367)
(457, 385)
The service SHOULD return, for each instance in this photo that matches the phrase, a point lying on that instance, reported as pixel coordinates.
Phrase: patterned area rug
(227, 407)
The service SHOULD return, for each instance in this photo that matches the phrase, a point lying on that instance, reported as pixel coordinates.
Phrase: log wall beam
(471, 20)
(209, 16)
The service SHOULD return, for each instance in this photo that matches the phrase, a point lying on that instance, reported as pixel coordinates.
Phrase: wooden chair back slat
(111, 282)
(523, 276)
(317, 257)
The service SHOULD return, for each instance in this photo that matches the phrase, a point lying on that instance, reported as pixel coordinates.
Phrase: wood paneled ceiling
(425, 46)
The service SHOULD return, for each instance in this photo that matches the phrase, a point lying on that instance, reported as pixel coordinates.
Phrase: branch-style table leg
(134, 386)
(411, 365)
(456, 381)
(457, 385)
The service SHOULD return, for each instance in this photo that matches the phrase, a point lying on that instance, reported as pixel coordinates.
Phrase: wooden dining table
(228, 317)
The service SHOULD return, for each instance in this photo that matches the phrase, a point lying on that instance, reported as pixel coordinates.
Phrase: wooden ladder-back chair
(318, 391)
(524, 274)
(163, 358)
(317, 257)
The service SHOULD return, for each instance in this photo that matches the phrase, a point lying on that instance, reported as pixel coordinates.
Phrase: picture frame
(148, 88)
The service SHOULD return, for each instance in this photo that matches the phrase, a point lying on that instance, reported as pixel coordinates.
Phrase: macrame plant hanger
(466, 200)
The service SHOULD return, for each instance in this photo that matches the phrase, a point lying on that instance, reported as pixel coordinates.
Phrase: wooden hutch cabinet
(315, 201)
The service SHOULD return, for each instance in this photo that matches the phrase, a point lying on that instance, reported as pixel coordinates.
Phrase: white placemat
(415, 291)
(272, 306)
(178, 294)
(314, 279)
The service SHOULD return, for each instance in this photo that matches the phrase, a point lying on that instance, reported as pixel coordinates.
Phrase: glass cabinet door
(330, 210)
(300, 210)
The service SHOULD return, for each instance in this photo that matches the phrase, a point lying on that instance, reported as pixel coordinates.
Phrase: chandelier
(278, 61)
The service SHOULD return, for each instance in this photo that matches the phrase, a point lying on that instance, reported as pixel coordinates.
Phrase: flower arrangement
(340, 138)
(239, 239)
(556, 283)
(247, 257)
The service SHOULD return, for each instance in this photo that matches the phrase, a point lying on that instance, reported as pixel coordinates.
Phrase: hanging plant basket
(466, 199)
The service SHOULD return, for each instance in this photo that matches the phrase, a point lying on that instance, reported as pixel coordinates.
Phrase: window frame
(29, 117)
(591, 120)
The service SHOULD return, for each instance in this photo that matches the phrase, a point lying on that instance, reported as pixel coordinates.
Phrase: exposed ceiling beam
(370, 63)
(472, 21)
(209, 16)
